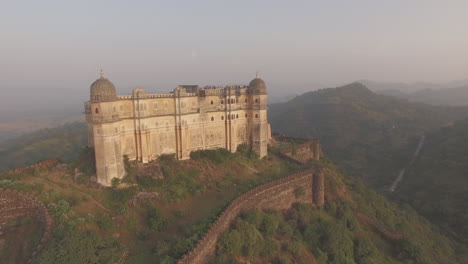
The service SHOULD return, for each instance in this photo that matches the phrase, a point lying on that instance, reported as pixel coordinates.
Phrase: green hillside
(64, 142)
(355, 226)
(437, 183)
(371, 136)
(167, 206)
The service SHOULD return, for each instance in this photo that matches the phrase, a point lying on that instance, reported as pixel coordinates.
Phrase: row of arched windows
(229, 117)
(232, 101)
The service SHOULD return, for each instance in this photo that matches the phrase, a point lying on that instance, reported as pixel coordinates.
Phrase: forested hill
(437, 183)
(368, 134)
(64, 142)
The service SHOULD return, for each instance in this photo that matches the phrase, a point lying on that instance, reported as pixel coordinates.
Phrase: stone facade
(277, 195)
(144, 126)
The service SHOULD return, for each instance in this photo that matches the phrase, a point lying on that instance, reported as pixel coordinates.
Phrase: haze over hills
(370, 135)
(410, 87)
(453, 93)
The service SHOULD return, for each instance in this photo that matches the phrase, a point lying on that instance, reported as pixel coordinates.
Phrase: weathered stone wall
(14, 204)
(145, 126)
(278, 194)
(36, 166)
(318, 188)
(304, 152)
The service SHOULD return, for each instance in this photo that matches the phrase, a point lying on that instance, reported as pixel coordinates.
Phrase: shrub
(270, 247)
(269, 225)
(104, 222)
(230, 243)
(217, 156)
(132, 223)
(155, 219)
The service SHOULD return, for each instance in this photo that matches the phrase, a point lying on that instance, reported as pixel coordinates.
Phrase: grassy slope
(188, 199)
(102, 226)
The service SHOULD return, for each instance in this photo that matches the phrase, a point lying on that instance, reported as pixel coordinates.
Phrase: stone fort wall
(304, 152)
(278, 194)
(144, 126)
(15, 204)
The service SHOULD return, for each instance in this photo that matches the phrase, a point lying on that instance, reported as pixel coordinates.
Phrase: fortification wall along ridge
(278, 194)
(35, 166)
(15, 204)
(304, 152)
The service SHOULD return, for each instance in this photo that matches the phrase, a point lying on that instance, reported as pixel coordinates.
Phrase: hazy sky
(59, 46)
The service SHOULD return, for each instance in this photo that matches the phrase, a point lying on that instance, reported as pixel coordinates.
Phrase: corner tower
(103, 132)
(258, 119)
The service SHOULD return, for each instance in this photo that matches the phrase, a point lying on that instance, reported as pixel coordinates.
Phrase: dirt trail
(400, 176)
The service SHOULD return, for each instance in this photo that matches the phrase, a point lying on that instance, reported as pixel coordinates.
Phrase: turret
(103, 134)
(258, 125)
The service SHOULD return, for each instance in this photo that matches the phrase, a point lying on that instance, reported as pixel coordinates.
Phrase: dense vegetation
(436, 185)
(64, 142)
(356, 226)
(156, 214)
(369, 135)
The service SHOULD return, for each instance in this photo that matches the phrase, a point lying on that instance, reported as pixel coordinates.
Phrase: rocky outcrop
(278, 194)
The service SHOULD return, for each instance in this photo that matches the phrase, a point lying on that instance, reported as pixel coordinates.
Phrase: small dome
(102, 90)
(257, 86)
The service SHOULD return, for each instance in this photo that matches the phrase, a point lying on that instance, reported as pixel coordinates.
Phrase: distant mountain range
(451, 93)
(368, 134)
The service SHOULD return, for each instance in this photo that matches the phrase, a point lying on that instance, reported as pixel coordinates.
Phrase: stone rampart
(39, 165)
(14, 204)
(304, 152)
(278, 194)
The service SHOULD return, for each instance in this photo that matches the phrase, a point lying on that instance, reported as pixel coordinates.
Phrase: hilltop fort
(143, 126)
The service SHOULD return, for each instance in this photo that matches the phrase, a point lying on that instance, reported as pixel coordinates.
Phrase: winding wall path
(14, 204)
(278, 194)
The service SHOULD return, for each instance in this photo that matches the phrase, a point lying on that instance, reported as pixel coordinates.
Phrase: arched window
(222, 101)
(237, 116)
(222, 117)
(96, 110)
(245, 115)
(229, 117)
(256, 115)
(232, 101)
(245, 100)
(212, 118)
(256, 101)
(211, 101)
